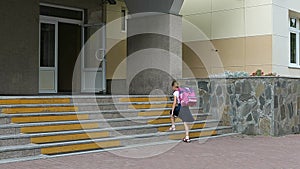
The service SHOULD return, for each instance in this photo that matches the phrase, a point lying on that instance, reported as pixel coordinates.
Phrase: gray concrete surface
(19, 47)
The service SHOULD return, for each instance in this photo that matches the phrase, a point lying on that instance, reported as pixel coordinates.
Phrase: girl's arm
(174, 105)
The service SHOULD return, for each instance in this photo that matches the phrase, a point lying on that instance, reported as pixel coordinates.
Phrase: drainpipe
(104, 46)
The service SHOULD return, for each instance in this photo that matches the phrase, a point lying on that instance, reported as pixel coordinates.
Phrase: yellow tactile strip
(143, 99)
(68, 137)
(148, 106)
(154, 113)
(36, 119)
(194, 135)
(52, 128)
(39, 109)
(80, 147)
(162, 121)
(35, 101)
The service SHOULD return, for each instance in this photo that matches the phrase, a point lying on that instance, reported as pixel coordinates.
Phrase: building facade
(249, 34)
(43, 42)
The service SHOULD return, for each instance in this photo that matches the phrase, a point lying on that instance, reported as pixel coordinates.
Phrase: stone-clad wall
(286, 106)
(254, 105)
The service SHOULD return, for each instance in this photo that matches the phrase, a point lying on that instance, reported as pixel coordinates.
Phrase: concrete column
(19, 47)
(154, 45)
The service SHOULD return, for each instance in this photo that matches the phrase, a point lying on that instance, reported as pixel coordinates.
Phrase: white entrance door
(48, 56)
(93, 67)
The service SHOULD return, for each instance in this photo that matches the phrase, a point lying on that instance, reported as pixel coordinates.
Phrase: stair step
(83, 97)
(83, 104)
(148, 106)
(63, 127)
(85, 112)
(81, 134)
(155, 113)
(14, 141)
(35, 146)
(135, 143)
(38, 108)
(181, 127)
(80, 147)
(155, 143)
(194, 134)
(137, 131)
(56, 125)
(143, 99)
(86, 124)
(34, 119)
(166, 119)
(84, 115)
(19, 153)
(136, 119)
(78, 131)
(69, 137)
(145, 140)
(35, 101)
(4, 120)
(9, 130)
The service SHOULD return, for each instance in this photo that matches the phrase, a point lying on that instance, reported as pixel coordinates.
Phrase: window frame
(297, 32)
(124, 18)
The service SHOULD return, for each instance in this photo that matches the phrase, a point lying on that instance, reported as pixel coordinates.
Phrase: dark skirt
(176, 111)
(185, 114)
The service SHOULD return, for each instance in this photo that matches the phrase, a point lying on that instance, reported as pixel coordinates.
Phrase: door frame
(55, 68)
(83, 69)
(56, 20)
(101, 70)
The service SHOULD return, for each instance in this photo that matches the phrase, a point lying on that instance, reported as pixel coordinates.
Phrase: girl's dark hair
(175, 83)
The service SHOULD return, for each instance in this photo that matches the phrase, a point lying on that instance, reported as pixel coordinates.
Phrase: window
(60, 12)
(294, 42)
(47, 49)
(124, 20)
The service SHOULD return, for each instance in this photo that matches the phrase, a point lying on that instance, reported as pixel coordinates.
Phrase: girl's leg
(187, 137)
(186, 127)
(173, 123)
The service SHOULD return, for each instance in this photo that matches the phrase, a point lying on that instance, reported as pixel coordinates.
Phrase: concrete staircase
(43, 126)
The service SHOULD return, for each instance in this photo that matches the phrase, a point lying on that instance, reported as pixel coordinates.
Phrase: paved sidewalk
(221, 153)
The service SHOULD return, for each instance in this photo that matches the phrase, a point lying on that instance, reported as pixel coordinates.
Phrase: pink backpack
(187, 96)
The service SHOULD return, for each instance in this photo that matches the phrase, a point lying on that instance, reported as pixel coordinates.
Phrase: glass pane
(293, 48)
(92, 47)
(123, 20)
(293, 22)
(47, 49)
(59, 12)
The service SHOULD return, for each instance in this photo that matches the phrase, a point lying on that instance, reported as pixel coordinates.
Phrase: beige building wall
(240, 33)
(282, 10)
(116, 42)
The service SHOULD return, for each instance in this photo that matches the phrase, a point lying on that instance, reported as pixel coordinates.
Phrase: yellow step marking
(148, 106)
(35, 101)
(68, 137)
(154, 113)
(49, 118)
(65, 127)
(193, 135)
(39, 109)
(80, 147)
(143, 99)
(181, 127)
